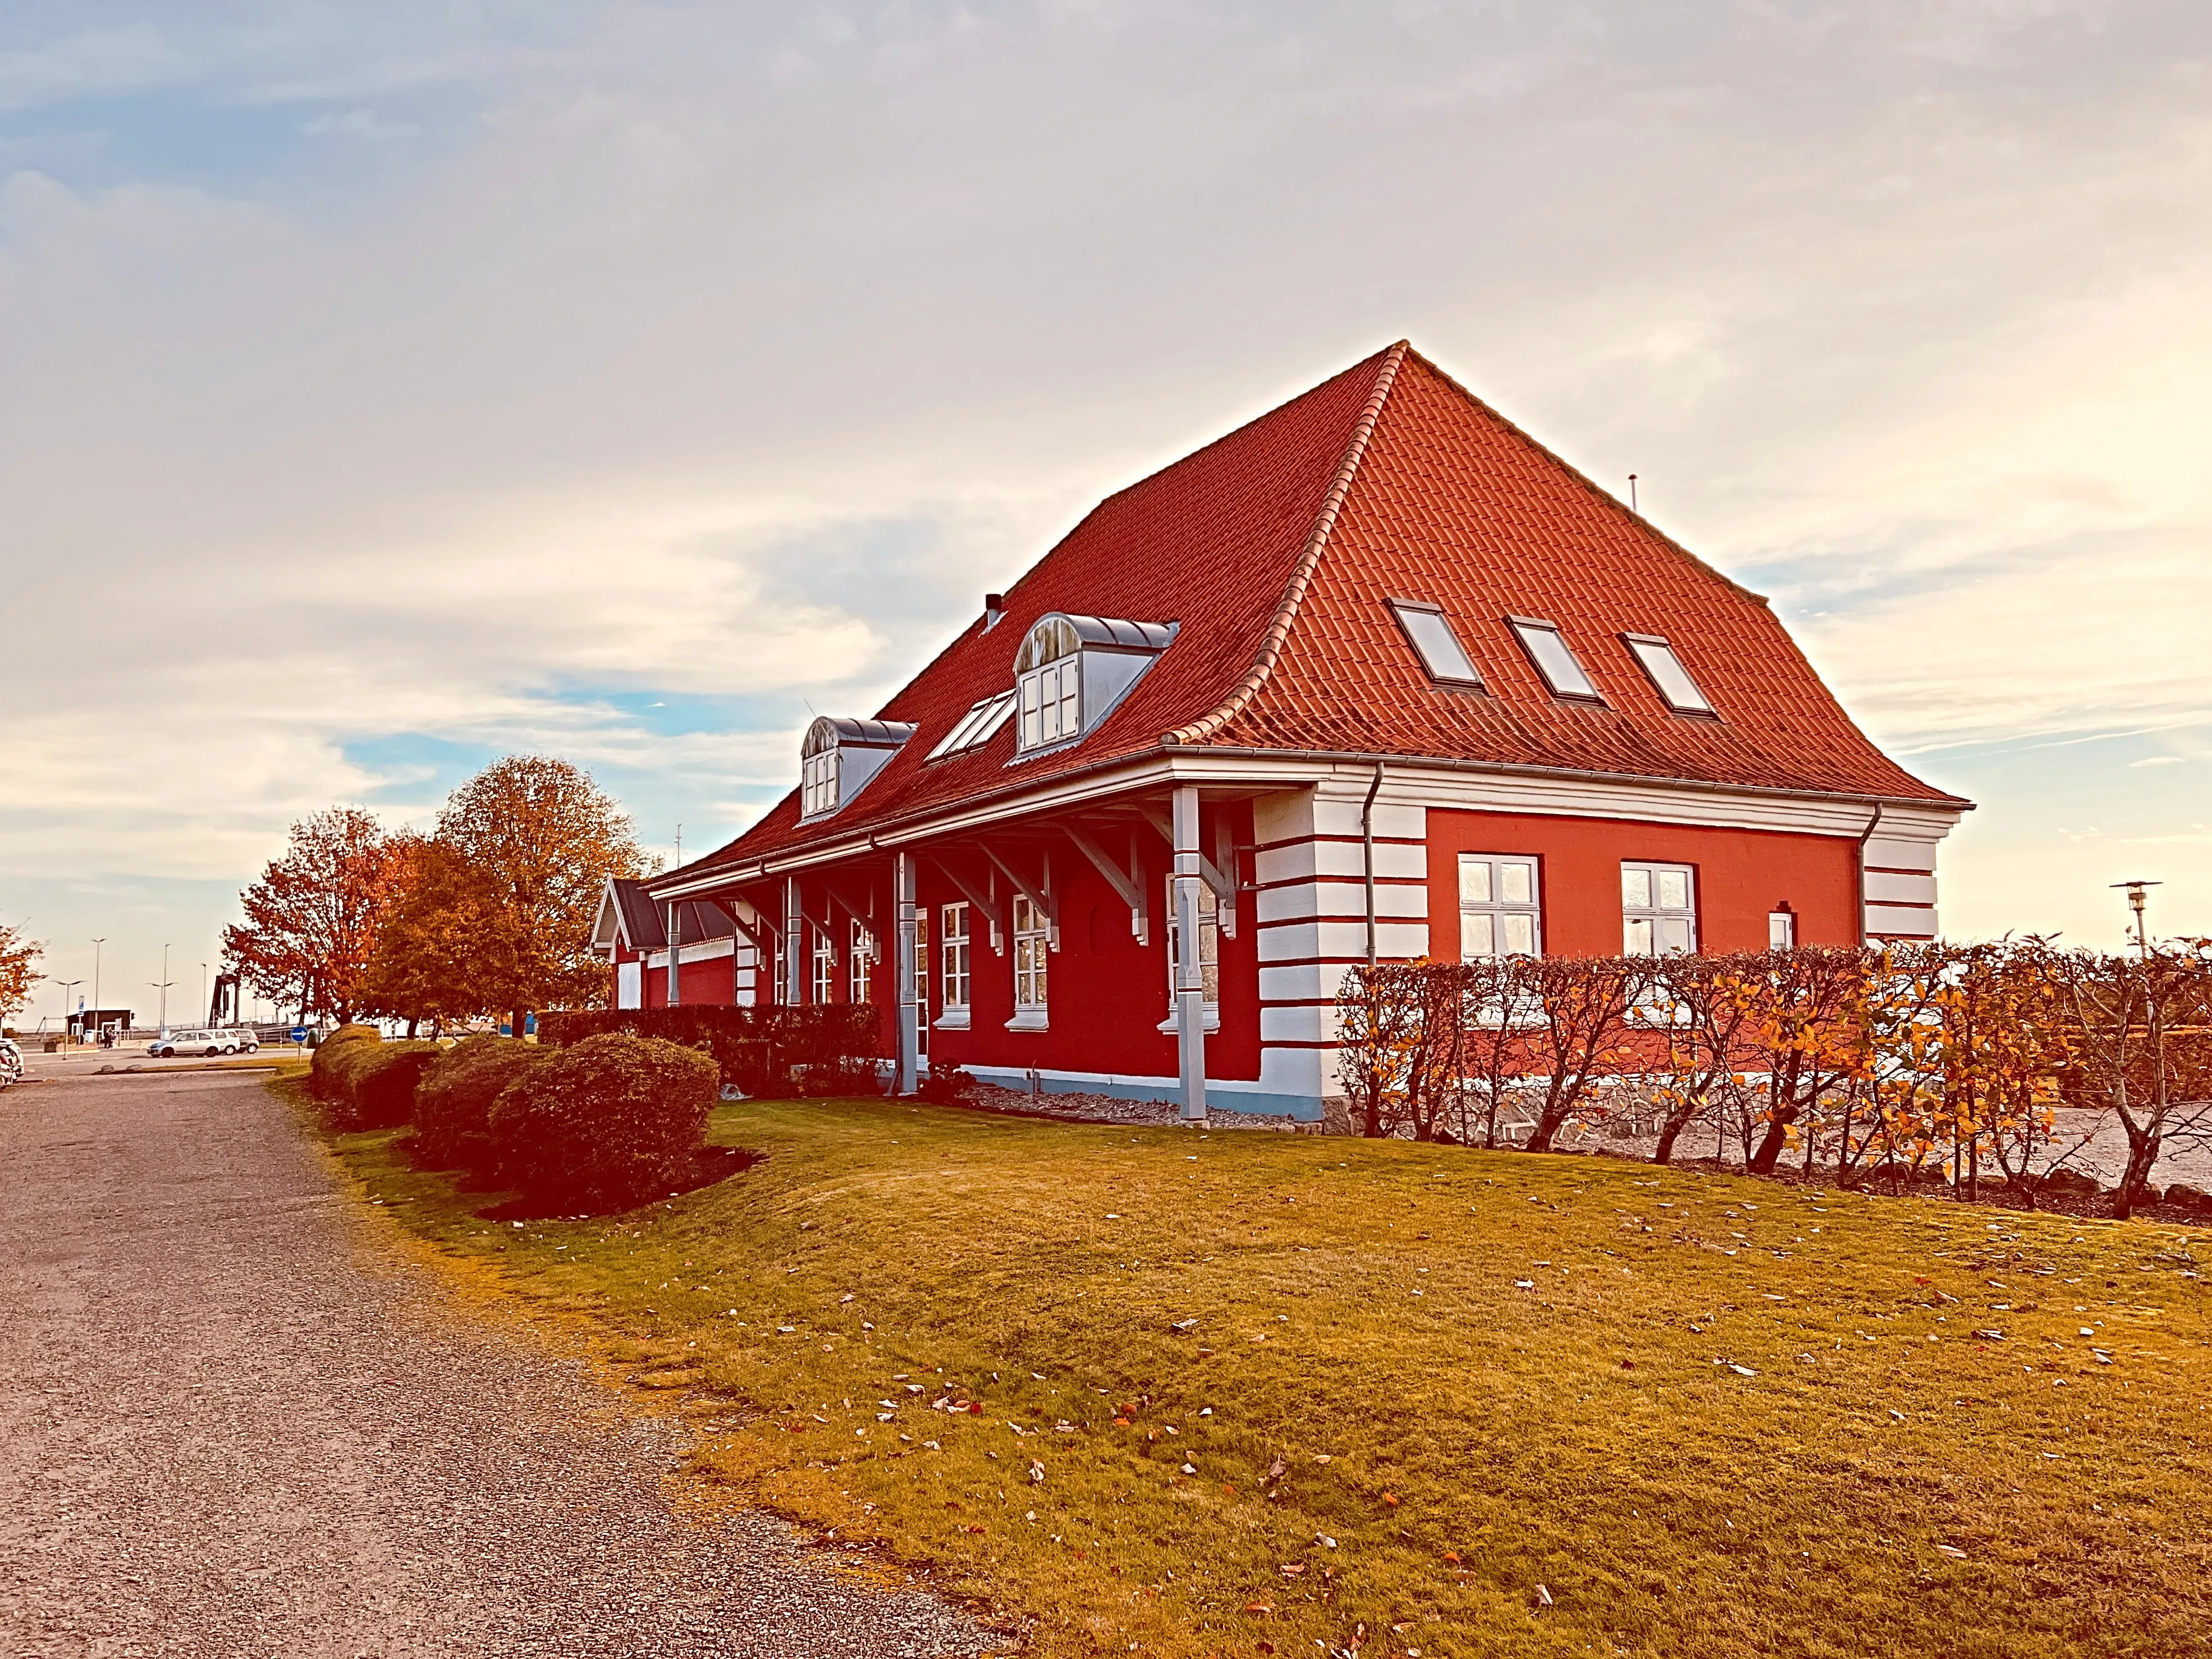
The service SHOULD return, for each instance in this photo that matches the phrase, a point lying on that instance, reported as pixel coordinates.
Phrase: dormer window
(838, 758)
(1668, 678)
(1554, 658)
(1071, 670)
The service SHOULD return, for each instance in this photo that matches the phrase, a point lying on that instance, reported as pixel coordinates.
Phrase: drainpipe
(1867, 836)
(1367, 854)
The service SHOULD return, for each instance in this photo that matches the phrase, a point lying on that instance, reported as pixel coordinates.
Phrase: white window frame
(1209, 955)
(1534, 632)
(1456, 670)
(955, 963)
(1661, 663)
(1485, 879)
(1052, 703)
(1781, 930)
(822, 987)
(1032, 953)
(817, 783)
(1667, 929)
(860, 963)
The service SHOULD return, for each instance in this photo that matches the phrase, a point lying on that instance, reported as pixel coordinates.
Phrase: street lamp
(162, 985)
(2135, 890)
(67, 985)
(96, 944)
(204, 1003)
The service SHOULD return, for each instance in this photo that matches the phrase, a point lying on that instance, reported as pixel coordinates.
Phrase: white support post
(1189, 977)
(795, 945)
(909, 1011)
(675, 950)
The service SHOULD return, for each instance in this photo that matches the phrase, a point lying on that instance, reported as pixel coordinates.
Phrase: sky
(385, 389)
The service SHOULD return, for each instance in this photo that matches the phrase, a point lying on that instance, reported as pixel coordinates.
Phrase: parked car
(11, 1062)
(240, 1041)
(210, 1043)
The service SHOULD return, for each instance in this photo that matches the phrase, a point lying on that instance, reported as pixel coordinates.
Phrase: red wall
(1106, 994)
(1742, 874)
(698, 983)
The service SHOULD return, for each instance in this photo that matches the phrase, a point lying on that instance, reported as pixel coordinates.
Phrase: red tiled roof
(1276, 548)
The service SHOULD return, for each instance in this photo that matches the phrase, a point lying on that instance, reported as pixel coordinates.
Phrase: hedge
(454, 1102)
(371, 1085)
(606, 1124)
(773, 1053)
(330, 1051)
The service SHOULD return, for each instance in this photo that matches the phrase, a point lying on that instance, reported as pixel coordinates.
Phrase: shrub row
(606, 1124)
(771, 1052)
(366, 1082)
(1900, 1064)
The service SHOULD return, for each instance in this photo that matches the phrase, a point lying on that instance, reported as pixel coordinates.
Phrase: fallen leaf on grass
(1951, 1550)
(1259, 1606)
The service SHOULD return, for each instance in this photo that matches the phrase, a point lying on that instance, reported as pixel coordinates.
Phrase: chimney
(994, 606)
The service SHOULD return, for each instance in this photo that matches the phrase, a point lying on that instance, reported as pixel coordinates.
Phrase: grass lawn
(1705, 1415)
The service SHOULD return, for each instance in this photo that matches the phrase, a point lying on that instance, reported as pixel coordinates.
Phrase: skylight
(1657, 659)
(1554, 658)
(1431, 631)
(976, 726)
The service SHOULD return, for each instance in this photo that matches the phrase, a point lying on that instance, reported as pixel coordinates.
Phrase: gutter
(921, 825)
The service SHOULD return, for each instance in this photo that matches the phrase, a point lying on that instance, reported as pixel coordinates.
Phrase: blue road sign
(299, 1033)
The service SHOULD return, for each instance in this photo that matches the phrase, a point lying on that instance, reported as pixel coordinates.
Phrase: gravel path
(233, 1424)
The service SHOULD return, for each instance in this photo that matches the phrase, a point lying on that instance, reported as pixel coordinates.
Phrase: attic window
(837, 757)
(1554, 658)
(1431, 632)
(1071, 670)
(976, 727)
(1657, 659)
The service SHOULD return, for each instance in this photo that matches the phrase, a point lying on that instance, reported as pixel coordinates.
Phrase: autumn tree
(312, 920)
(445, 949)
(19, 968)
(1581, 1031)
(538, 840)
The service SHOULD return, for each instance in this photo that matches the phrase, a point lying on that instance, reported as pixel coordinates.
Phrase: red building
(1374, 676)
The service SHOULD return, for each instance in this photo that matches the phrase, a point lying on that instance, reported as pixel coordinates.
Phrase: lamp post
(162, 985)
(96, 944)
(2136, 896)
(67, 985)
(204, 1003)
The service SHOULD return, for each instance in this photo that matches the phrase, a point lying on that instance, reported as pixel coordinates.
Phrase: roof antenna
(1632, 507)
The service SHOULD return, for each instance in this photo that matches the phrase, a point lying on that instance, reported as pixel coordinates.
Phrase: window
(952, 959)
(1658, 910)
(1032, 942)
(778, 991)
(859, 959)
(1664, 669)
(1431, 632)
(817, 783)
(1555, 660)
(825, 987)
(1209, 951)
(977, 727)
(1052, 703)
(1498, 911)
(921, 986)
(1781, 930)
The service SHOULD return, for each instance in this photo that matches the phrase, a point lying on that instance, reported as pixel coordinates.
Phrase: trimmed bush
(332, 1050)
(605, 1125)
(453, 1104)
(376, 1084)
(771, 1052)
